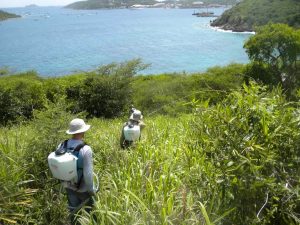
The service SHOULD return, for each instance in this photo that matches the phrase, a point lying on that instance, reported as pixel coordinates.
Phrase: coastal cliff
(250, 13)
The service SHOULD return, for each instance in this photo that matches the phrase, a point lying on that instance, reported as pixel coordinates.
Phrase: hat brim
(82, 130)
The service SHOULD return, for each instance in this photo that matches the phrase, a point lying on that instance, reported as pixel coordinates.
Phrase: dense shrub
(251, 141)
(106, 92)
(235, 162)
(20, 96)
(55, 87)
(261, 73)
(4, 71)
(274, 51)
(170, 93)
(101, 95)
(7, 110)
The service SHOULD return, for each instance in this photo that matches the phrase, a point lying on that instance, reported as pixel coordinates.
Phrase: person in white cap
(135, 121)
(83, 191)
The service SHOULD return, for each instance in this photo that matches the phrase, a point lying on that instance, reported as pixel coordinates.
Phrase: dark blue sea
(57, 41)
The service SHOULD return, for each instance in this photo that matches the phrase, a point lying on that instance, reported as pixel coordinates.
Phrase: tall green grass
(15, 197)
(236, 162)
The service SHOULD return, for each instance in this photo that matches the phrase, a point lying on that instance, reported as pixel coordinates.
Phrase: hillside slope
(6, 15)
(247, 14)
(231, 156)
(99, 4)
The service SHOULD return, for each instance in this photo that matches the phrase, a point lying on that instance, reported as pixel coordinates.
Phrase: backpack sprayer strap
(62, 148)
(77, 149)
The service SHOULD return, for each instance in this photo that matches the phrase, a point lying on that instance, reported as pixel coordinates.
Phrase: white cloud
(21, 3)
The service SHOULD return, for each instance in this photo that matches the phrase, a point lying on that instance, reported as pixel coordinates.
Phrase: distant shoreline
(109, 8)
(219, 29)
(5, 15)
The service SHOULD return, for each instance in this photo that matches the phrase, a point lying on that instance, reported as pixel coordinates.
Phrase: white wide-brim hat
(77, 126)
(136, 115)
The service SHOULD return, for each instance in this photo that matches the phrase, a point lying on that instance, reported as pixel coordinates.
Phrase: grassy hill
(215, 150)
(222, 2)
(247, 14)
(99, 4)
(6, 15)
(216, 166)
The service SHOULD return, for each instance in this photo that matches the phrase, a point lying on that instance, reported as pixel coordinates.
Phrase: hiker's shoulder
(87, 150)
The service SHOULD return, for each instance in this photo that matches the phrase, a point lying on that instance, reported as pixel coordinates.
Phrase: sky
(21, 3)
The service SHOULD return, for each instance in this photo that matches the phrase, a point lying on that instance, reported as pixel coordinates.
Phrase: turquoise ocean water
(57, 41)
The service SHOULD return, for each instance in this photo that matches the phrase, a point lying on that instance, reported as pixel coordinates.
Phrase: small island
(31, 6)
(5, 15)
(247, 14)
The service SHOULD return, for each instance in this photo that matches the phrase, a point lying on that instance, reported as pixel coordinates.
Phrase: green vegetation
(6, 15)
(108, 91)
(19, 96)
(236, 162)
(206, 2)
(218, 148)
(250, 13)
(99, 4)
(274, 52)
(168, 94)
(222, 2)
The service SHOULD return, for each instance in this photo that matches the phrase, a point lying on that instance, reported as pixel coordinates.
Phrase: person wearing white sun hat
(78, 126)
(82, 191)
(133, 127)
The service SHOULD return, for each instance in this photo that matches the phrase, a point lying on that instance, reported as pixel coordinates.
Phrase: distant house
(138, 6)
(198, 3)
(31, 6)
(215, 5)
(159, 5)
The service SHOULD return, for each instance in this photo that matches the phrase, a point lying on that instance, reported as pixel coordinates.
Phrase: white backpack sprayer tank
(132, 132)
(63, 167)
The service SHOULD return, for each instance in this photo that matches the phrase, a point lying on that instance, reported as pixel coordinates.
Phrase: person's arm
(88, 170)
(142, 124)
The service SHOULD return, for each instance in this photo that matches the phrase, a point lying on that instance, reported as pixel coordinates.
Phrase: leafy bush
(106, 92)
(170, 93)
(251, 141)
(4, 71)
(274, 51)
(55, 87)
(261, 73)
(20, 96)
(235, 162)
